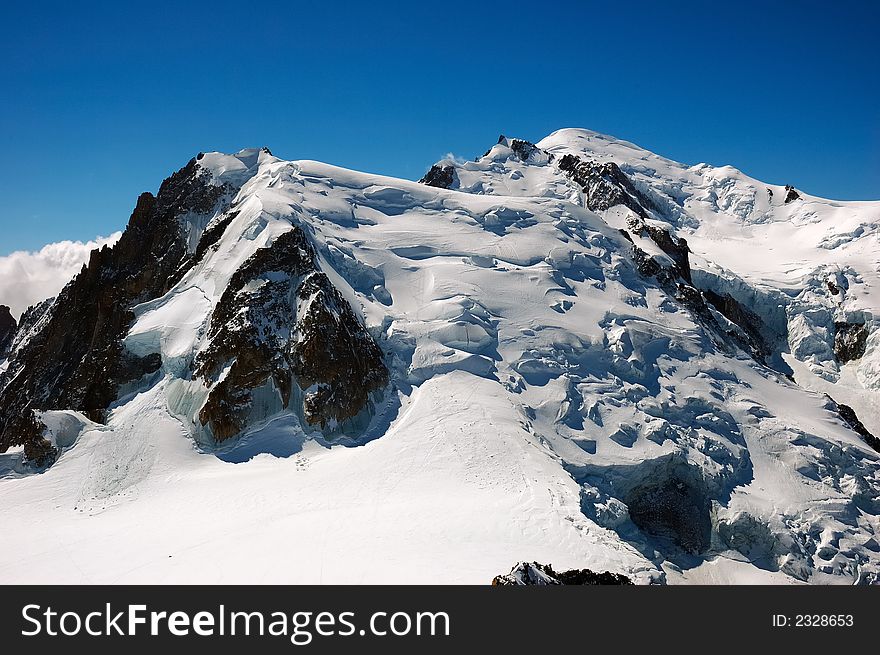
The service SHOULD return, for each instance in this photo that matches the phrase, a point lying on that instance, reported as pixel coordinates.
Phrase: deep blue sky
(101, 102)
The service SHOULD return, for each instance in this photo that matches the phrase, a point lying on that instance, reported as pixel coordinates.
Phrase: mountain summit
(574, 352)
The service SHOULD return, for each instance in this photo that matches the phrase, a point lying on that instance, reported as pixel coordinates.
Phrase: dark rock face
(8, 327)
(751, 334)
(693, 299)
(75, 360)
(246, 330)
(850, 340)
(674, 509)
(213, 234)
(849, 417)
(648, 266)
(37, 450)
(280, 318)
(588, 577)
(533, 573)
(523, 149)
(442, 177)
(605, 186)
(335, 354)
(752, 340)
(791, 194)
(675, 247)
(30, 323)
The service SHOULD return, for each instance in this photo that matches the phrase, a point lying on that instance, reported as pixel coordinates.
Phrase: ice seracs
(571, 351)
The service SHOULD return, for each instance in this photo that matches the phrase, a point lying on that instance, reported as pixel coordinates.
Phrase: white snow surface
(538, 381)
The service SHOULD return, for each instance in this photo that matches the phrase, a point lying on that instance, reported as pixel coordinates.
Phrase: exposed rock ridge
(442, 176)
(751, 338)
(31, 322)
(535, 574)
(675, 247)
(605, 186)
(76, 359)
(849, 417)
(8, 327)
(281, 321)
(524, 150)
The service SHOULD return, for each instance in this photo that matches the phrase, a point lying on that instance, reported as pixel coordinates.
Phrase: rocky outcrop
(281, 322)
(212, 235)
(38, 450)
(676, 248)
(738, 326)
(8, 327)
(440, 176)
(750, 337)
(533, 573)
(742, 328)
(673, 507)
(791, 194)
(649, 267)
(335, 359)
(849, 417)
(31, 322)
(850, 340)
(75, 360)
(525, 150)
(604, 185)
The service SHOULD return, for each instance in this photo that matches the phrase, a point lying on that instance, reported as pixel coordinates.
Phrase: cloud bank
(29, 277)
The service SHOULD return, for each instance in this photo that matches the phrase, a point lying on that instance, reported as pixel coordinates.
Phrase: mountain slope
(546, 354)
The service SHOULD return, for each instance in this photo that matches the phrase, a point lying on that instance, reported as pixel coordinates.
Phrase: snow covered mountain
(573, 352)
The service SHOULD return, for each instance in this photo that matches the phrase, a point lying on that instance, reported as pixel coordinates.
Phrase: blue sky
(102, 101)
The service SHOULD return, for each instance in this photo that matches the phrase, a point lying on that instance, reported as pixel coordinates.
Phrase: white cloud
(454, 159)
(29, 277)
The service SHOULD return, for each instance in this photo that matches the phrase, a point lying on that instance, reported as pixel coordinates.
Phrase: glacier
(620, 363)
